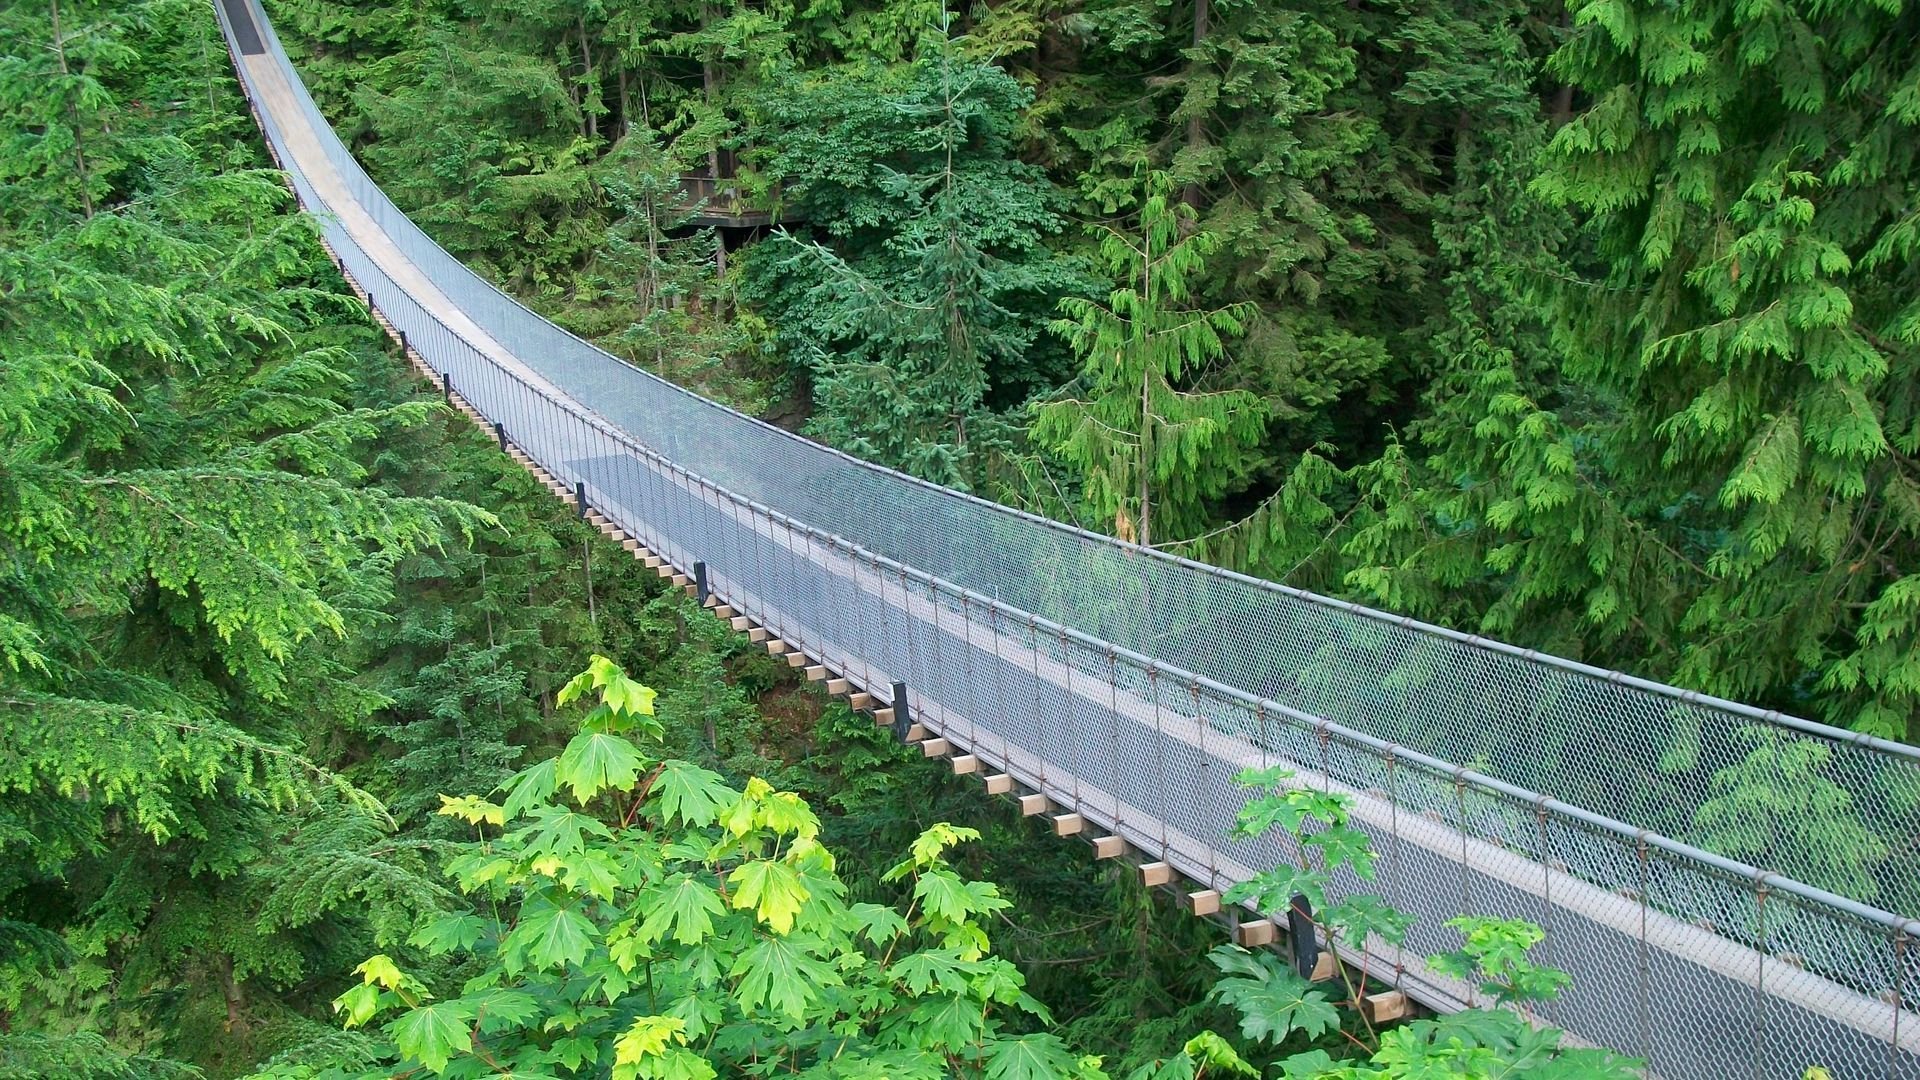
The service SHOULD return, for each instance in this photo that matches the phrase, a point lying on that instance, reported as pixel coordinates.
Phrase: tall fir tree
(926, 312)
(1153, 444)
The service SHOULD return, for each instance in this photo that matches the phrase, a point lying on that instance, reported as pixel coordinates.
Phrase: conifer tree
(185, 538)
(925, 313)
(1153, 445)
(1717, 487)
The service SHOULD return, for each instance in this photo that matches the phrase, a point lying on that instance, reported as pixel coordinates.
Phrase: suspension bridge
(1120, 691)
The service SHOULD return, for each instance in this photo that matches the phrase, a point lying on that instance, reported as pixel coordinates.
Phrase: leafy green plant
(1278, 1007)
(1317, 823)
(1495, 956)
(636, 915)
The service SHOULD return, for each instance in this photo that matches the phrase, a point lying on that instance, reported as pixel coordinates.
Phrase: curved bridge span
(1123, 690)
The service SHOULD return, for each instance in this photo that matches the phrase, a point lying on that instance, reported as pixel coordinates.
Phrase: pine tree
(925, 314)
(1153, 446)
(1714, 488)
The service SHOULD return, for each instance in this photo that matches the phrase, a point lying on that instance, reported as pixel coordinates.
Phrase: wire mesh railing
(1132, 687)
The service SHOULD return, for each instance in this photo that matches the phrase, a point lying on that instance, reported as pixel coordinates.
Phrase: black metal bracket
(902, 717)
(700, 592)
(446, 385)
(1306, 949)
(580, 498)
(500, 432)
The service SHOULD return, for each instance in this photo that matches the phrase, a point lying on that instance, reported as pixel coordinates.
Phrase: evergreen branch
(83, 744)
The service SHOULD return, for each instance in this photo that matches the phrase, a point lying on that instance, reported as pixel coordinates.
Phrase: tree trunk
(710, 85)
(73, 116)
(586, 95)
(1196, 126)
(1144, 532)
(230, 990)
(626, 105)
(1563, 97)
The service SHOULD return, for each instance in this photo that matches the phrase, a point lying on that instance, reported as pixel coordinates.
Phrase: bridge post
(1306, 950)
(901, 719)
(580, 499)
(500, 432)
(446, 386)
(700, 582)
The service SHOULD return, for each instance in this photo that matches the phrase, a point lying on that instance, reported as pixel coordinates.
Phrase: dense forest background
(1591, 328)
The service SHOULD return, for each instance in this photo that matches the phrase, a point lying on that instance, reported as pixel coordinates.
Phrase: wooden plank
(1255, 933)
(1108, 847)
(861, 701)
(1203, 902)
(883, 717)
(965, 764)
(740, 622)
(917, 733)
(1033, 804)
(797, 659)
(775, 646)
(1326, 968)
(999, 784)
(836, 687)
(1384, 1006)
(1068, 824)
(757, 634)
(817, 673)
(721, 611)
(936, 747)
(1155, 874)
(630, 544)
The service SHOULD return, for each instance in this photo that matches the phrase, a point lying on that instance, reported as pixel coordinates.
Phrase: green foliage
(188, 544)
(676, 926)
(1779, 803)
(926, 311)
(1150, 437)
(1707, 486)
(1495, 955)
(1273, 1001)
(1277, 1006)
(1608, 355)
